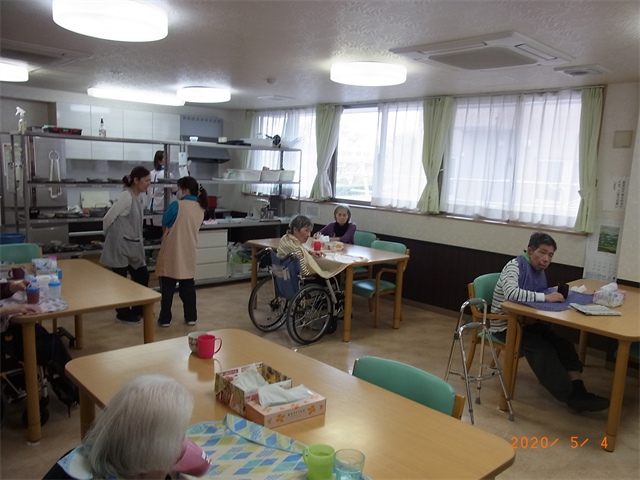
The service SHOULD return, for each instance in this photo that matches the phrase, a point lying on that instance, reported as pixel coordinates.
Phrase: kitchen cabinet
(211, 256)
(137, 124)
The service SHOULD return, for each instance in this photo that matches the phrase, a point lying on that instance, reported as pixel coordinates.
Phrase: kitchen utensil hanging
(54, 173)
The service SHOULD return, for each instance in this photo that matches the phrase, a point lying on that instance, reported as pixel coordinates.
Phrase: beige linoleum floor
(423, 341)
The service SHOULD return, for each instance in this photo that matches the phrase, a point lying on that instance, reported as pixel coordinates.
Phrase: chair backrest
(407, 381)
(394, 247)
(484, 285)
(286, 274)
(364, 239)
(19, 252)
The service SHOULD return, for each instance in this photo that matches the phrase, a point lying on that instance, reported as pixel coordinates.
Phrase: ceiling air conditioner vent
(500, 50)
(38, 55)
(582, 70)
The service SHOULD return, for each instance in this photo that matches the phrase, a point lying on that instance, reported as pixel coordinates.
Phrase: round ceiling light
(368, 74)
(204, 94)
(119, 20)
(10, 72)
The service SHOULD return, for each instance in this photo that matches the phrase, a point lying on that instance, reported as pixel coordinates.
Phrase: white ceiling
(241, 44)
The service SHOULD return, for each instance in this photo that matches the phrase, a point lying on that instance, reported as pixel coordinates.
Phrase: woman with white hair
(139, 435)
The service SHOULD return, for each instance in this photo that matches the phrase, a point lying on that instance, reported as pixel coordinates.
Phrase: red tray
(63, 130)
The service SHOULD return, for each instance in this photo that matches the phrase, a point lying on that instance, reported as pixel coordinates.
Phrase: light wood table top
(400, 438)
(373, 257)
(86, 287)
(625, 329)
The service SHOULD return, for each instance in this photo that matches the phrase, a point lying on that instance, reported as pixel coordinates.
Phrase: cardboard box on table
(249, 406)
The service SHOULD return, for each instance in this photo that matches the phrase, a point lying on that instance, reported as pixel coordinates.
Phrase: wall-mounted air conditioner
(499, 50)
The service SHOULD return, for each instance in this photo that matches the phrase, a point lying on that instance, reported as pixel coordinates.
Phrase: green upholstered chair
(410, 382)
(483, 287)
(363, 239)
(372, 288)
(19, 252)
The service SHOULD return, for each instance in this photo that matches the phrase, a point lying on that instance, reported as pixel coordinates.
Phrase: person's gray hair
(142, 428)
(299, 222)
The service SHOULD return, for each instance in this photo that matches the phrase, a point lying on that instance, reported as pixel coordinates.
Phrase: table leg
(617, 392)
(348, 300)
(147, 313)
(79, 332)
(397, 309)
(254, 267)
(31, 381)
(87, 412)
(511, 353)
(582, 346)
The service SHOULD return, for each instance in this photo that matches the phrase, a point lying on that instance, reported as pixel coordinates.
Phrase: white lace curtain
(515, 158)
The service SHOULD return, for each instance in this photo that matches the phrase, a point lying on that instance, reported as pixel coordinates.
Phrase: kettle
(258, 205)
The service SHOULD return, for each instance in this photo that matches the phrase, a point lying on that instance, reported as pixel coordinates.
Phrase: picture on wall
(608, 239)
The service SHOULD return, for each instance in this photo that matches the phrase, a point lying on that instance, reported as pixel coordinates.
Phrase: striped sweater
(508, 289)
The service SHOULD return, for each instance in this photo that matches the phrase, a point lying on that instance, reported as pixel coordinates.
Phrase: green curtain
(327, 128)
(590, 117)
(437, 112)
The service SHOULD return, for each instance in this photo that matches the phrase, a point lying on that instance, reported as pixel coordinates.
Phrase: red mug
(317, 245)
(206, 346)
(17, 273)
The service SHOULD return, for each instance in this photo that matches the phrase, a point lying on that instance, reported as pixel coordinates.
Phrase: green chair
(19, 252)
(410, 382)
(372, 288)
(363, 239)
(483, 287)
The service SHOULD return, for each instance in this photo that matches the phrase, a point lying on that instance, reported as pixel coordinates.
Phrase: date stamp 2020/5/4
(543, 442)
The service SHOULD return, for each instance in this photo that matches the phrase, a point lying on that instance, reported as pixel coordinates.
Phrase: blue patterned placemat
(244, 450)
(573, 297)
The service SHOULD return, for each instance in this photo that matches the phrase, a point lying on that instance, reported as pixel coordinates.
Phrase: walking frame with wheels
(309, 309)
(495, 371)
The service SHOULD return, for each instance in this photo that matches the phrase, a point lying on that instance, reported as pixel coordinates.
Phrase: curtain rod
(413, 99)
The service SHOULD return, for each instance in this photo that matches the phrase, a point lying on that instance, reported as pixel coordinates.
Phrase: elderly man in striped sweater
(552, 358)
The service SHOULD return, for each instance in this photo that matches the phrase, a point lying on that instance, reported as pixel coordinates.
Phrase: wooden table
(625, 329)
(86, 287)
(401, 439)
(373, 257)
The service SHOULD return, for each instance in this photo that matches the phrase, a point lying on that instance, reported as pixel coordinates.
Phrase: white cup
(193, 341)
(193, 139)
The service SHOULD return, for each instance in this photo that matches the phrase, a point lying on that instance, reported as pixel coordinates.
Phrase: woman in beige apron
(177, 259)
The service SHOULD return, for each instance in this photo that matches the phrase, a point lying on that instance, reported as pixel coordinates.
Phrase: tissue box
(235, 397)
(283, 414)
(609, 299)
(44, 265)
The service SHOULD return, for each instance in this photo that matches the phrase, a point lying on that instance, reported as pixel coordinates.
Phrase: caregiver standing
(123, 249)
(177, 259)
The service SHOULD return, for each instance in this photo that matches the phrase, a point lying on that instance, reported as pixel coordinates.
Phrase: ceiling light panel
(135, 96)
(368, 74)
(10, 72)
(119, 20)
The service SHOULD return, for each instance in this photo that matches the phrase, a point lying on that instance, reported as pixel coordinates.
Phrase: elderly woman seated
(293, 243)
(140, 434)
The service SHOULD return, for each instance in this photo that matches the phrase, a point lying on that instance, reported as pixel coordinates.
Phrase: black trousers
(550, 356)
(187, 290)
(138, 275)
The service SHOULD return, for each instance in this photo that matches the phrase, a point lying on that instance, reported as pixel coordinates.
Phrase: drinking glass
(349, 464)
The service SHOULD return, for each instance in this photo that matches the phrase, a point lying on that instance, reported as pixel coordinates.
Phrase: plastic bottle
(55, 288)
(102, 132)
(22, 123)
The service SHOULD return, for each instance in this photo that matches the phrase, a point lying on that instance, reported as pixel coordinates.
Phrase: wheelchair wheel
(267, 311)
(309, 314)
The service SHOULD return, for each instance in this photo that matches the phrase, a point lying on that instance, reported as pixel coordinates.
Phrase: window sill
(446, 216)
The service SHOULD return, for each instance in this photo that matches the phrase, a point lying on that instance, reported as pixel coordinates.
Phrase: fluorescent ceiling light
(120, 20)
(204, 94)
(135, 96)
(10, 72)
(368, 74)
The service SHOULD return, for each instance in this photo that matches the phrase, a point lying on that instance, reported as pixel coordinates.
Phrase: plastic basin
(11, 238)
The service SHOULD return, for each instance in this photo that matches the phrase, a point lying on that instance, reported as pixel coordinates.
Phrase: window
(296, 126)
(379, 155)
(515, 158)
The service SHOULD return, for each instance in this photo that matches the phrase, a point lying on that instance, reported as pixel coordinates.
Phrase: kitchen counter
(224, 223)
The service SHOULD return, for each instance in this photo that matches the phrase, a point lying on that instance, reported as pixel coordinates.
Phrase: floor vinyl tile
(424, 340)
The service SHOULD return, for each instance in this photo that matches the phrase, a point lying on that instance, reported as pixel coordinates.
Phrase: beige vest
(177, 257)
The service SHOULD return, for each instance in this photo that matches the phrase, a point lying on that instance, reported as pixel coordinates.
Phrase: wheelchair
(309, 309)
